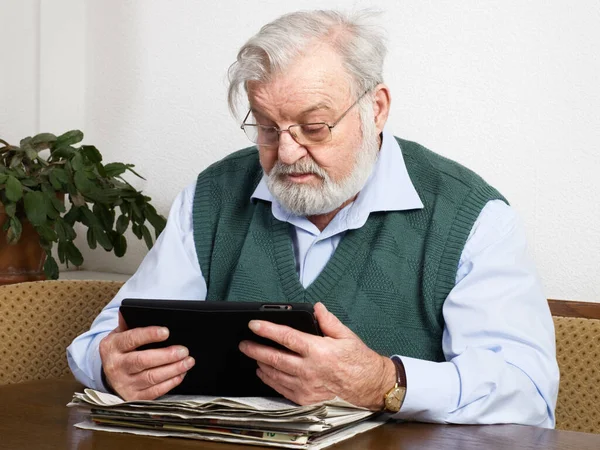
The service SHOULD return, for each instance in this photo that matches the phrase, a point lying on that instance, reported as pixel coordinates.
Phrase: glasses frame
(292, 134)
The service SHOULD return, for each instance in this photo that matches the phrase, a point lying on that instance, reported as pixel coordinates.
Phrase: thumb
(122, 326)
(331, 325)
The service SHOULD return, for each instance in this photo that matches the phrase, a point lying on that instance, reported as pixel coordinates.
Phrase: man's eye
(315, 131)
(268, 130)
(313, 128)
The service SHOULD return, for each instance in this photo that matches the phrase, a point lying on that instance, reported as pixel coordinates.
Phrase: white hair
(356, 37)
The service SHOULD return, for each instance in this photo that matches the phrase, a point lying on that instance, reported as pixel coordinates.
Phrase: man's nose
(289, 150)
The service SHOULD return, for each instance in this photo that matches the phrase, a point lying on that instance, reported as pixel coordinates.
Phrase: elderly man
(418, 270)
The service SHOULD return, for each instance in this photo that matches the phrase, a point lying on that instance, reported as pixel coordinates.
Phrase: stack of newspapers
(250, 420)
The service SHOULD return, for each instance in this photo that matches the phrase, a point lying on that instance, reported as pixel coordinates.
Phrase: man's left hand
(320, 368)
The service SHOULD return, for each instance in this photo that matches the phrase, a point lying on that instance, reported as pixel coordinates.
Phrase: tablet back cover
(213, 337)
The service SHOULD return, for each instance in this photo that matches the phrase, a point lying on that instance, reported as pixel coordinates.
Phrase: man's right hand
(142, 374)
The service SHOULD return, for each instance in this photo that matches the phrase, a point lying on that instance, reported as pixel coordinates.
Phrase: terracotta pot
(23, 261)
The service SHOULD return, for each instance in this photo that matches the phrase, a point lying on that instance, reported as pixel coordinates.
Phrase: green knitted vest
(387, 281)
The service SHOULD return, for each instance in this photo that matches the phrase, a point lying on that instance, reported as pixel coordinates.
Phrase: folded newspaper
(244, 420)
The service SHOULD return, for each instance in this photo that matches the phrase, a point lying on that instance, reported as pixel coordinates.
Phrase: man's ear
(381, 106)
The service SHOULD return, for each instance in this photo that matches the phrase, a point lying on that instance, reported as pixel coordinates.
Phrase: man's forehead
(304, 96)
(299, 95)
(316, 76)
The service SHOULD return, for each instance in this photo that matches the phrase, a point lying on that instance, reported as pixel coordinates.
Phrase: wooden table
(34, 416)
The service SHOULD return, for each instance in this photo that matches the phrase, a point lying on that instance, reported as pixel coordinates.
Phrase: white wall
(508, 88)
(19, 68)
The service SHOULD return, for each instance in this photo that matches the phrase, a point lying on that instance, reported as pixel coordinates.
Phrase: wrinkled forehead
(317, 77)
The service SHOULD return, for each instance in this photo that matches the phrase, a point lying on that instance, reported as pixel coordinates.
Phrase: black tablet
(212, 331)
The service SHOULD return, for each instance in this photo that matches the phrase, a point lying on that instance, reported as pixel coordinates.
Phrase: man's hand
(145, 374)
(320, 368)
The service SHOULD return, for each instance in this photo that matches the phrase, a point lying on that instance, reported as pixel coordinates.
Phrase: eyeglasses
(302, 133)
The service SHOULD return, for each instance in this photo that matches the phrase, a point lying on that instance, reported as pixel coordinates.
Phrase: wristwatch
(394, 398)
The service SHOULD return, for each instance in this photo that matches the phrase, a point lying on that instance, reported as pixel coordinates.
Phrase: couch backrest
(577, 327)
(38, 321)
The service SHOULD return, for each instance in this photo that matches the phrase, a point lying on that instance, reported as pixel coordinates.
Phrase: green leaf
(147, 236)
(73, 254)
(106, 196)
(122, 224)
(62, 251)
(50, 267)
(101, 171)
(124, 187)
(120, 245)
(91, 153)
(3, 178)
(59, 228)
(52, 213)
(35, 207)
(137, 230)
(58, 178)
(16, 160)
(125, 209)
(82, 182)
(43, 138)
(61, 174)
(73, 215)
(155, 219)
(67, 229)
(14, 189)
(91, 238)
(47, 246)
(62, 153)
(103, 239)
(25, 142)
(89, 219)
(129, 167)
(14, 231)
(55, 181)
(69, 138)
(77, 162)
(19, 172)
(56, 203)
(42, 162)
(30, 183)
(115, 169)
(107, 218)
(10, 209)
(30, 152)
(47, 233)
(138, 216)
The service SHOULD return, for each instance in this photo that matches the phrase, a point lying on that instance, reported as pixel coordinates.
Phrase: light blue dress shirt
(498, 337)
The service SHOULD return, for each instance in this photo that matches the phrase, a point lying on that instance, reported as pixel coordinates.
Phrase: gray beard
(307, 200)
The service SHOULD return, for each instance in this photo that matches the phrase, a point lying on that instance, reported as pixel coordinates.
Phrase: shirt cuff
(85, 363)
(432, 390)
(97, 364)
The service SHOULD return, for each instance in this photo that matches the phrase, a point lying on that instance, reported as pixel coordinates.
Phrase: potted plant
(33, 184)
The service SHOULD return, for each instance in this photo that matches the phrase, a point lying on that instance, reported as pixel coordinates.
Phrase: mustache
(304, 166)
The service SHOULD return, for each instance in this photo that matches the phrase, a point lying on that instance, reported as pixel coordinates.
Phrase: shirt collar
(389, 188)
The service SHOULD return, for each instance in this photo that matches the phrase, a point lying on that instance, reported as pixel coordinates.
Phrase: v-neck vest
(387, 281)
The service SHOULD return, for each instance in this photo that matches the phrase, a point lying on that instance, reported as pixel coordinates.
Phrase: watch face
(393, 399)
